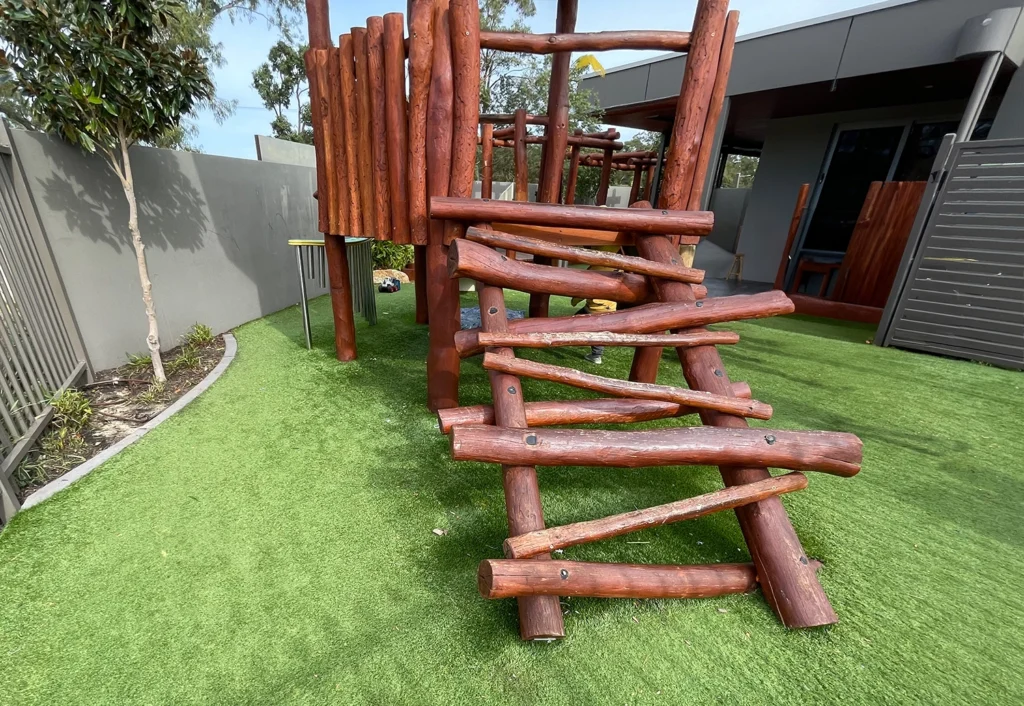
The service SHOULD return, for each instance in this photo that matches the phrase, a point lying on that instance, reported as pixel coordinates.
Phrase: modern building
(838, 102)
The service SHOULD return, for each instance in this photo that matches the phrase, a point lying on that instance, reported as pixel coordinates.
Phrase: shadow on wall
(215, 230)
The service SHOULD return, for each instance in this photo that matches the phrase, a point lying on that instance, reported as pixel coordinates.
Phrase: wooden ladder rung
(604, 338)
(829, 452)
(547, 540)
(648, 318)
(479, 262)
(674, 271)
(626, 388)
(508, 578)
(604, 410)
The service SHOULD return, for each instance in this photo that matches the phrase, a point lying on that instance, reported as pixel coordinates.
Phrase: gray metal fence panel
(964, 293)
(36, 354)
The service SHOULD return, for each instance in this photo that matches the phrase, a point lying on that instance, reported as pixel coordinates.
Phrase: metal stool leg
(303, 302)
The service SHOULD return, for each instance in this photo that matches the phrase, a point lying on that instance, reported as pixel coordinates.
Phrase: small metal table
(312, 266)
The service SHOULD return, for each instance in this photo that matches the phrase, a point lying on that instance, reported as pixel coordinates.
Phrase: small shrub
(389, 256)
(60, 448)
(138, 364)
(187, 359)
(71, 410)
(198, 335)
(152, 394)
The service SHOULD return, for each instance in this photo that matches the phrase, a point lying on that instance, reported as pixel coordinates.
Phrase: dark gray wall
(793, 153)
(1009, 121)
(216, 231)
(729, 206)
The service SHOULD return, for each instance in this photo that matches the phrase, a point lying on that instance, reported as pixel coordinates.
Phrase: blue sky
(246, 46)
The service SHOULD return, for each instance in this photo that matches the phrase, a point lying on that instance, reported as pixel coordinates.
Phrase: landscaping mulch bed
(122, 400)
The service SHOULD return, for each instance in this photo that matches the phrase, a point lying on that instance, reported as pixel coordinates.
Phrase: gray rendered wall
(271, 149)
(729, 207)
(793, 153)
(216, 231)
(1009, 120)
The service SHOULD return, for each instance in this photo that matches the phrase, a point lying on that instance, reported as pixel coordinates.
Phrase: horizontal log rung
(829, 452)
(642, 40)
(674, 271)
(524, 546)
(604, 410)
(603, 338)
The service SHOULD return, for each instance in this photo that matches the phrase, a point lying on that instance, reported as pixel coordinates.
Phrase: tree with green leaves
(501, 16)
(278, 80)
(643, 141)
(105, 75)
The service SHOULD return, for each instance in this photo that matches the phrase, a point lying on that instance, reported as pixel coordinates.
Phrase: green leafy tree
(105, 75)
(739, 171)
(500, 16)
(280, 79)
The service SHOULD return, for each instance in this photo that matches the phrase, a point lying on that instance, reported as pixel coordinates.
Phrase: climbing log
(421, 48)
(547, 540)
(479, 262)
(521, 184)
(505, 119)
(465, 39)
(604, 410)
(583, 256)
(605, 179)
(574, 171)
(626, 388)
(487, 159)
(648, 318)
(508, 578)
(603, 338)
(556, 215)
(365, 153)
(539, 617)
(378, 128)
(397, 125)
(653, 40)
(549, 188)
(836, 453)
(442, 292)
(350, 132)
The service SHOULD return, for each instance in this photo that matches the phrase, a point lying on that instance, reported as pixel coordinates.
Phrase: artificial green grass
(272, 544)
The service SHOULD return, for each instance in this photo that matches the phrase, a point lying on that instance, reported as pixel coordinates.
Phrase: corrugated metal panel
(964, 295)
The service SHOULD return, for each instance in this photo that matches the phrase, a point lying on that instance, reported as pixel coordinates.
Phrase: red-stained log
(396, 118)
(634, 189)
(603, 410)
(363, 119)
(341, 199)
(479, 262)
(539, 617)
(583, 256)
(789, 584)
(341, 297)
(442, 292)
(828, 452)
(714, 109)
(350, 133)
(508, 578)
(653, 40)
(557, 132)
(605, 179)
(318, 24)
(574, 170)
(649, 181)
(465, 39)
(378, 127)
(318, 108)
(548, 540)
(519, 164)
(559, 216)
(421, 48)
(694, 101)
(602, 338)
(649, 318)
(505, 119)
(794, 227)
(487, 157)
(625, 388)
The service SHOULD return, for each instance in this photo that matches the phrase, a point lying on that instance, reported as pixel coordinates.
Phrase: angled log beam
(508, 578)
(479, 262)
(556, 215)
(648, 318)
(547, 540)
(626, 388)
(626, 263)
(606, 410)
(830, 452)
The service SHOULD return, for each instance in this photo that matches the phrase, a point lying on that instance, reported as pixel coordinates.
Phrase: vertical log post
(606, 176)
(378, 127)
(442, 291)
(540, 617)
(794, 228)
(363, 120)
(521, 186)
(397, 124)
(318, 18)
(421, 49)
(350, 130)
(487, 159)
(634, 189)
(465, 39)
(649, 182)
(574, 170)
(788, 581)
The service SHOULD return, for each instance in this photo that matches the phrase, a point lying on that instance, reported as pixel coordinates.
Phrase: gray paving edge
(84, 469)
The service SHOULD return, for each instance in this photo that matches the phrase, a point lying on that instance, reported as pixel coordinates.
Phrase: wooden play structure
(403, 170)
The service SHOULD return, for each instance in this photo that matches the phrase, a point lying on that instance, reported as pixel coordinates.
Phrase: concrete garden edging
(84, 469)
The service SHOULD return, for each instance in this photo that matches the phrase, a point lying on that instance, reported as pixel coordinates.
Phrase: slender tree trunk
(153, 338)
